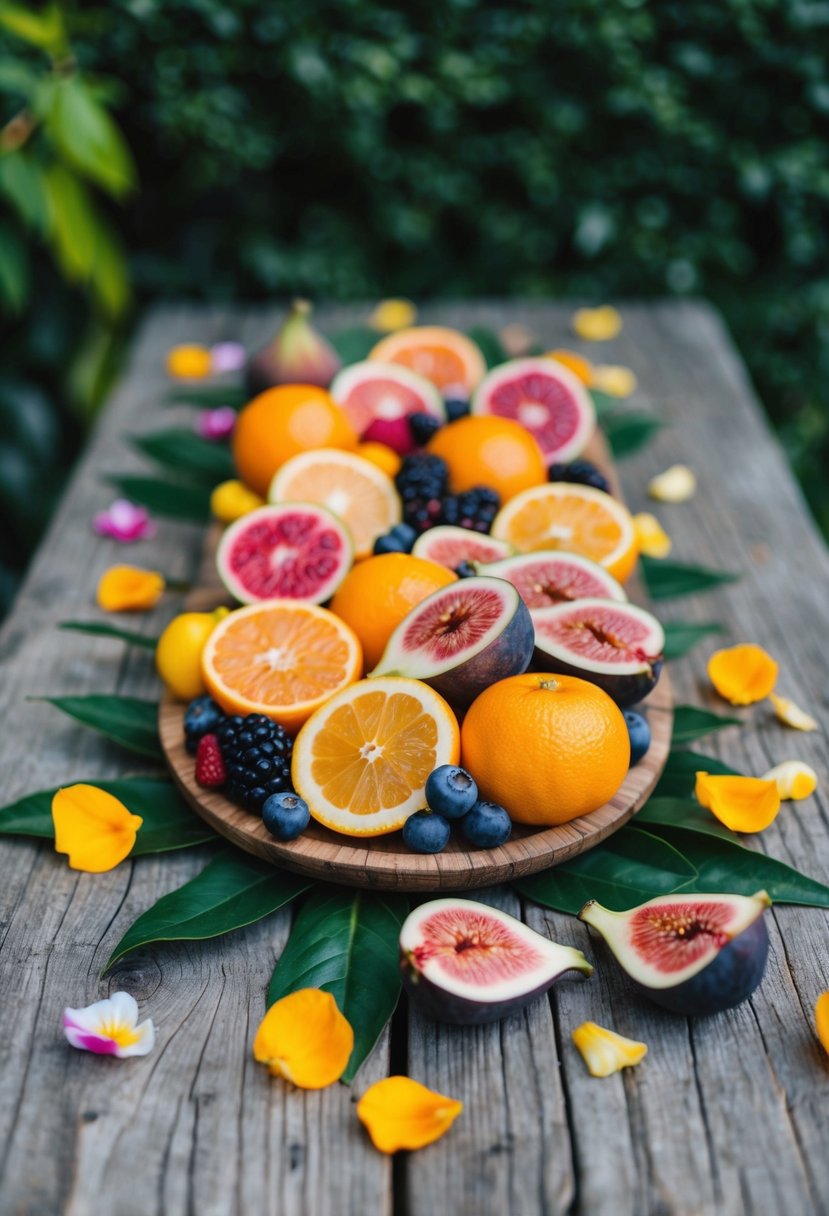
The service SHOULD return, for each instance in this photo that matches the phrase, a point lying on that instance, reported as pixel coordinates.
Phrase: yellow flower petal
(790, 714)
(676, 484)
(401, 1113)
(305, 1039)
(129, 589)
(651, 537)
(613, 380)
(743, 804)
(742, 674)
(605, 1052)
(597, 324)
(822, 1020)
(93, 828)
(793, 778)
(390, 315)
(189, 362)
(232, 499)
(581, 368)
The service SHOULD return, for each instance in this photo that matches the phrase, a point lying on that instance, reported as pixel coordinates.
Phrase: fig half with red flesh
(449, 546)
(617, 646)
(550, 578)
(461, 639)
(694, 954)
(548, 401)
(467, 963)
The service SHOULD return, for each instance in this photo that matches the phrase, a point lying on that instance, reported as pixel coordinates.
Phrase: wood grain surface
(726, 1115)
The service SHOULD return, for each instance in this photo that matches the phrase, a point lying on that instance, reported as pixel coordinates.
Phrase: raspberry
(210, 767)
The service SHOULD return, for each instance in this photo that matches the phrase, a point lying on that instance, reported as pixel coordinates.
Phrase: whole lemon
(179, 650)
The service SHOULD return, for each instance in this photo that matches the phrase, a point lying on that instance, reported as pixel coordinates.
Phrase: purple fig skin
(508, 655)
(444, 1006)
(625, 690)
(297, 355)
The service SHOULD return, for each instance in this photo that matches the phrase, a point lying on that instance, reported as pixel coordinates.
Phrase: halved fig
(617, 646)
(550, 578)
(294, 550)
(449, 546)
(694, 954)
(467, 963)
(461, 639)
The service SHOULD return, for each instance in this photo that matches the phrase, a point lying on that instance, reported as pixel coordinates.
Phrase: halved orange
(281, 658)
(453, 362)
(575, 518)
(361, 762)
(351, 487)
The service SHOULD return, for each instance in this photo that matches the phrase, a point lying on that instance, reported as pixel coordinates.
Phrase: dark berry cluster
(421, 483)
(580, 471)
(257, 755)
(475, 509)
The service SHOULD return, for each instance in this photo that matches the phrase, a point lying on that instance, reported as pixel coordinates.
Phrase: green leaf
(347, 943)
(17, 77)
(490, 344)
(355, 343)
(208, 396)
(21, 182)
(97, 629)
(14, 269)
(234, 890)
(691, 723)
(679, 775)
(110, 278)
(683, 813)
(627, 433)
(177, 500)
(168, 823)
(74, 223)
(42, 28)
(665, 579)
(88, 138)
(604, 403)
(682, 636)
(186, 451)
(126, 720)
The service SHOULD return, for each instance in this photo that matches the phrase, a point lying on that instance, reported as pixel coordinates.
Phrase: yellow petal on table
(391, 315)
(793, 778)
(232, 499)
(401, 1113)
(651, 538)
(581, 368)
(743, 804)
(305, 1039)
(742, 674)
(129, 589)
(189, 362)
(93, 828)
(597, 324)
(613, 380)
(790, 714)
(605, 1052)
(822, 1020)
(676, 484)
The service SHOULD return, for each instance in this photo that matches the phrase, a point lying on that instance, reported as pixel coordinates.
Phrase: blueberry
(456, 408)
(486, 825)
(389, 543)
(451, 791)
(425, 832)
(203, 717)
(285, 815)
(404, 533)
(465, 570)
(640, 735)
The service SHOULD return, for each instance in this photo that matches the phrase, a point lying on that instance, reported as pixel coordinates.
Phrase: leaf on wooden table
(691, 723)
(99, 629)
(491, 346)
(665, 579)
(629, 432)
(177, 500)
(347, 943)
(188, 453)
(130, 721)
(354, 343)
(682, 636)
(683, 813)
(232, 891)
(679, 775)
(209, 396)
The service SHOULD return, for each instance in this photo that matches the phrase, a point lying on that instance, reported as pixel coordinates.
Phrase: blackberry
(465, 570)
(475, 509)
(455, 408)
(580, 471)
(257, 756)
(421, 484)
(423, 427)
(203, 717)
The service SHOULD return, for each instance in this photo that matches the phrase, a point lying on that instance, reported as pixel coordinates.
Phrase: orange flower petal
(401, 1113)
(232, 499)
(651, 537)
(822, 1020)
(189, 362)
(129, 589)
(93, 828)
(742, 674)
(581, 368)
(305, 1039)
(743, 804)
(605, 1052)
(794, 779)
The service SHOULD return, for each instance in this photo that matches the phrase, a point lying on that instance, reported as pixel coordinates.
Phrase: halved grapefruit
(446, 357)
(373, 392)
(546, 398)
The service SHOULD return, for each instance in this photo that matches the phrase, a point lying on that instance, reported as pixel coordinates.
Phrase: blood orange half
(546, 398)
(446, 357)
(384, 392)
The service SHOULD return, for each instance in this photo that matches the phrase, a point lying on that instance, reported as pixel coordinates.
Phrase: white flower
(110, 1028)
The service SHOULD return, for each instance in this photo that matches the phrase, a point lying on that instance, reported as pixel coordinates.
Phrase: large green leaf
(491, 346)
(178, 500)
(691, 723)
(666, 579)
(628, 432)
(43, 28)
(232, 891)
(682, 636)
(88, 138)
(682, 813)
(679, 775)
(100, 630)
(354, 343)
(208, 396)
(347, 942)
(129, 721)
(14, 269)
(21, 182)
(187, 452)
(168, 821)
(73, 231)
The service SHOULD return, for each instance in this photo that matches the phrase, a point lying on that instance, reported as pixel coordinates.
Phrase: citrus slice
(353, 488)
(373, 391)
(546, 398)
(575, 518)
(361, 762)
(281, 658)
(453, 362)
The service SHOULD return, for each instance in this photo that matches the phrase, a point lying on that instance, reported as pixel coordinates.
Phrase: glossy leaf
(43, 28)
(177, 500)
(629, 432)
(22, 184)
(691, 723)
(208, 396)
(88, 138)
(682, 636)
(682, 813)
(347, 942)
(73, 230)
(491, 346)
(680, 773)
(354, 343)
(130, 721)
(184, 450)
(234, 890)
(98, 629)
(665, 579)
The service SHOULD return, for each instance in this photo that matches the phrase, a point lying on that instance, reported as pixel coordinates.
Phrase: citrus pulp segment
(546, 398)
(370, 390)
(446, 357)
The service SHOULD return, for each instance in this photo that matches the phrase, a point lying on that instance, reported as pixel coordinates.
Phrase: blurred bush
(353, 148)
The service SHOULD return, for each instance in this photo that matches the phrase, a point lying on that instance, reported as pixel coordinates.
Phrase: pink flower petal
(124, 522)
(228, 356)
(216, 424)
(95, 1043)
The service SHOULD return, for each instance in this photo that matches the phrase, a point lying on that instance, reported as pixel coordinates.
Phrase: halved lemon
(446, 357)
(361, 761)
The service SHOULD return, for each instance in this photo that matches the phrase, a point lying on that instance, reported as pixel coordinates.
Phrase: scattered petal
(129, 589)
(651, 537)
(305, 1039)
(676, 484)
(743, 804)
(110, 1028)
(216, 424)
(793, 778)
(228, 357)
(822, 1020)
(401, 1113)
(390, 315)
(605, 1052)
(381, 455)
(189, 362)
(742, 674)
(597, 324)
(124, 522)
(613, 380)
(517, 340)
(581, 368)
(790, 714)
(93, 828)
(232, 499)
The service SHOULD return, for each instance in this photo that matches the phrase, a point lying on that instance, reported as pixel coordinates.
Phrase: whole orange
(547, 748)
(376, 594)
(487, 451)
(280, 423)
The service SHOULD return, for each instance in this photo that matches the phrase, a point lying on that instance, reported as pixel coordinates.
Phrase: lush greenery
(354, 148)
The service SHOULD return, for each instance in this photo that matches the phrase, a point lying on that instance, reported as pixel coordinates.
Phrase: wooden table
(727, 1115)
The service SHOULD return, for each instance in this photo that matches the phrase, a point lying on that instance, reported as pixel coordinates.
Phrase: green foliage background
(354, 148)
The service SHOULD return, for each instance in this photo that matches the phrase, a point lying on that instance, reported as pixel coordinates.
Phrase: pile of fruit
(471, 564)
